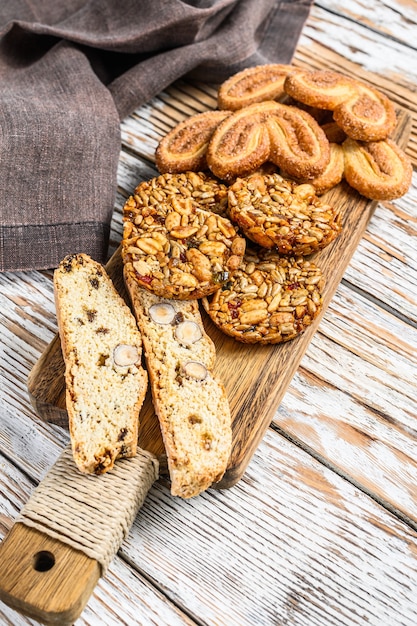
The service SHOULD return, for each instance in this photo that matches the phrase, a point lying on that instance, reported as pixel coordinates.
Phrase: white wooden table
(322, 528)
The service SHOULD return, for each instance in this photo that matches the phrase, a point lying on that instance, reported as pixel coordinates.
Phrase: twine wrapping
(91, 513)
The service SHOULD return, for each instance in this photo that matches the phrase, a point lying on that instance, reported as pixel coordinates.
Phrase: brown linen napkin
(70, 70)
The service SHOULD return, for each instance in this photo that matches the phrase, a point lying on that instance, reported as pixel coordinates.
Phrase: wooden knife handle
(44, 578)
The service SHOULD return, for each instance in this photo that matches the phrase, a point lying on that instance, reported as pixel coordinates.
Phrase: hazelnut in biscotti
(102, 347)
(176, 249)
(282, 214)
(269, 300)
(190, 402)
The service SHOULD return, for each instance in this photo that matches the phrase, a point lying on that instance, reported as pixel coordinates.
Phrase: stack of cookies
(234, 219)
(315, 126)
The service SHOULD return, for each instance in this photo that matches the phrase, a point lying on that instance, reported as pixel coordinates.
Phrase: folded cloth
(72, 69)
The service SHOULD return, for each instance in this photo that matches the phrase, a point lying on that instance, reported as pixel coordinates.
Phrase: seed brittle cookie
(269, 299)
(209, 193)
(176, 249)
(278, 213)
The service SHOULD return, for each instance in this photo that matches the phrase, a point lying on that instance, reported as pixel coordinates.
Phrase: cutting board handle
(44, 578)
(68, 533)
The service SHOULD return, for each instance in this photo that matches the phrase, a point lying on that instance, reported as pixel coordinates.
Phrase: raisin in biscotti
(191, 404)
(102, 347)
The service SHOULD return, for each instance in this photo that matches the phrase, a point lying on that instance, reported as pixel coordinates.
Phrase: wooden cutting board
(256, 377)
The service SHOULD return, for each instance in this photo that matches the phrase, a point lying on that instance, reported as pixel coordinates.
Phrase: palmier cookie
(177, 250)
(209, 193)
(185, 146)
(254, 84)
(268, 131)
(362, 112)
(379, 170)
(323, 89)
(282, 214)
(367, 116)
(332, 175)
(268, 300)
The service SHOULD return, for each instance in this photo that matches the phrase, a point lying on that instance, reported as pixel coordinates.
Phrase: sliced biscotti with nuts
(191, 404)
(175, 248)
(270, 299)
(102, 347)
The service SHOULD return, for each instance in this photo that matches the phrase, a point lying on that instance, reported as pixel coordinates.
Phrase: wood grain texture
(43, 578)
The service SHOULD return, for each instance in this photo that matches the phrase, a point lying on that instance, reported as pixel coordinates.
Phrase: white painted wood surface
(322, 529)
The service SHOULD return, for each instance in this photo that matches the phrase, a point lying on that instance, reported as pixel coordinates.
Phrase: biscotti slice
(102, 348)
(190, 402)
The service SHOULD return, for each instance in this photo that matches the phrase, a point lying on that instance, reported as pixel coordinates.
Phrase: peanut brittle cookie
(278, 213)
(174, 248)
(269, 299)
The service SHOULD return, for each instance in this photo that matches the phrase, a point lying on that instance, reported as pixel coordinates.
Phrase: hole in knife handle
(43, 561)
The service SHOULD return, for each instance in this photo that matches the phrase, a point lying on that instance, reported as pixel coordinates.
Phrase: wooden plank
(392, 18)
(355, 407)
(292, 543)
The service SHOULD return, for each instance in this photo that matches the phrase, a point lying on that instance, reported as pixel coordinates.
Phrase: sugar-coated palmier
(185, 146)
(176, 249)
(324, 89)
(362, 112)
(278, 213)
(367, 116)
(268, 131)
(269, 299)
(254, 84)
(379, 170)
(332, 175)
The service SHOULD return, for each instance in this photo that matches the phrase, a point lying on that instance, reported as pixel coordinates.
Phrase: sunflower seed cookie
(174, 248)
(269, 299)
(282, 214)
